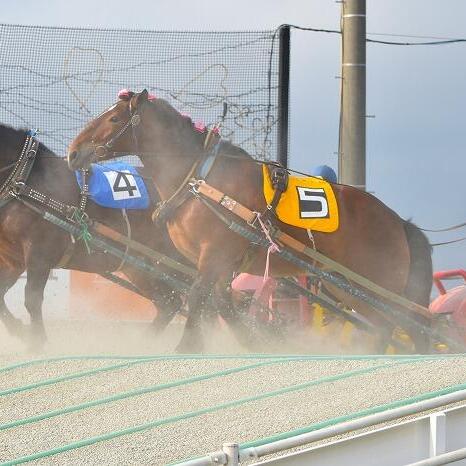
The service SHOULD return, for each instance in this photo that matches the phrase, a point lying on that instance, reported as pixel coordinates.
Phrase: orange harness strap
(221, 198)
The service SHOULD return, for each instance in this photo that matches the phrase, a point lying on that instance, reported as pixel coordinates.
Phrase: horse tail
(419, 283)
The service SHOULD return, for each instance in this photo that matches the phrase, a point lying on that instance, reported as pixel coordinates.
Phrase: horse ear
(138, 99)
(142, 97)
(125, 94)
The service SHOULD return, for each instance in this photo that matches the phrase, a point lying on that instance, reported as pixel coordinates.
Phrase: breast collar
(207, 162)
(200, 170)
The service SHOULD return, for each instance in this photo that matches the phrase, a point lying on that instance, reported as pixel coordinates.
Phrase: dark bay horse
(372, 240)
(29, 243)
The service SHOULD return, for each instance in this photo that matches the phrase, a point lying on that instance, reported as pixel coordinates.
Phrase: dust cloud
(90, 335)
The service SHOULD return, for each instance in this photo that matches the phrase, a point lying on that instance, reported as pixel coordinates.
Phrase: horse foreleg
(34, 296)
(8, 277)
(199, 293)
(168, 302)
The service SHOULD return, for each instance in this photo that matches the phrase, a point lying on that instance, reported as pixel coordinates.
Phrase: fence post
(283, 94)
(231, 451)
(437, 434)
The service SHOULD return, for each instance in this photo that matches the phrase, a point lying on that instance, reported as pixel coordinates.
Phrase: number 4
(118, 187)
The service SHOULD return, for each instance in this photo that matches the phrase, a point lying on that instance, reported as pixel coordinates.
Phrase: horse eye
(114, 119)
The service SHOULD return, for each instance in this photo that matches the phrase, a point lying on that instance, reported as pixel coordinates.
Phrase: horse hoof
(187, 346)
(36, 346)
(17, 328)
(154, 329)
(36, 342)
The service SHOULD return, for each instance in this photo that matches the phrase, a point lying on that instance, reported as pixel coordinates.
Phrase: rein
(200, 168)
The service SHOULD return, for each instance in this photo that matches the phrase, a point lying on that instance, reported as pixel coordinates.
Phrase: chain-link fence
(56, 79)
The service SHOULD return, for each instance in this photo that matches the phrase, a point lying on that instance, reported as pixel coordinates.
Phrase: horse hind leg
(237, 317)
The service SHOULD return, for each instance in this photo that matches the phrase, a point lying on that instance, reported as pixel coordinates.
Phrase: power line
(437, 42)
(412, 36)
(441, 41)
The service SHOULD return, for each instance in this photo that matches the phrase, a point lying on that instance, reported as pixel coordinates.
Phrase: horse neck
(170, 165)
(168, 173)
(12, 142)
(11, 146)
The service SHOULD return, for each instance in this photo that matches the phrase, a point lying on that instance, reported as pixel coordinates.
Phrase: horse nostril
(72, 155)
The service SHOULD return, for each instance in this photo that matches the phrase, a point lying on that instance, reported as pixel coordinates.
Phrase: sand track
(265, 395)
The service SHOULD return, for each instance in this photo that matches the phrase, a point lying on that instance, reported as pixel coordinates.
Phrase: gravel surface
(387, 381)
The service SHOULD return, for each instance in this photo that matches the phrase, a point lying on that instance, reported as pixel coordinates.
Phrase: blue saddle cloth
(116, 185)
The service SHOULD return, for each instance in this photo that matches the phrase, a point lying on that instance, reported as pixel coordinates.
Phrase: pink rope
(273, 247)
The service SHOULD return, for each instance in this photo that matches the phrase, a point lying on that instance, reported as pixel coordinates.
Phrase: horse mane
(9, 136)
(12, 138)
(172, 118)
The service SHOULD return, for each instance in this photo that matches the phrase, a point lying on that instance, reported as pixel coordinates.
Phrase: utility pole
(352, 151)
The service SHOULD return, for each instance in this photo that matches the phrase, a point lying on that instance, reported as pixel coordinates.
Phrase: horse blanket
(308, 203)
(117, 185)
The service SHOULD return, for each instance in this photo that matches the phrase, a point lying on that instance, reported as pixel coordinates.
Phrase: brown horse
(27, 242)
(372, 240)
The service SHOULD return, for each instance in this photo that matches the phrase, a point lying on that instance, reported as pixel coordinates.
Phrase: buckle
(31, 153)
(194, 185)
(100, 152)
(17, 188)
(252, 223)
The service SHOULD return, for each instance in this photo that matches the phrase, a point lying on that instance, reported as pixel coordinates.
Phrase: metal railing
(232, 454)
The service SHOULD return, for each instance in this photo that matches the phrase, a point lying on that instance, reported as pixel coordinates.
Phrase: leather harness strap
(221, 198)
(113, 235)
(68, 254)
(21, 170)
(201, 188)
(279, 178)
(164, 209)
(15, 187)
(208, 162)
(200, 169)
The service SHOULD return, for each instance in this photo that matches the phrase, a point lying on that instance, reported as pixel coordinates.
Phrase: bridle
(199, 169)
(133, 121)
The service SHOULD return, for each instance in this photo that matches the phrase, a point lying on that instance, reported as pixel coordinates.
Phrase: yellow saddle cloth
(308, 203)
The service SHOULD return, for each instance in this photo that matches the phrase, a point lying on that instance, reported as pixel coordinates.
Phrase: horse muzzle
(78, 159)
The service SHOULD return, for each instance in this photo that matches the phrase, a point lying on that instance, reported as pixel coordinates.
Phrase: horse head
(111, 131)
(137, 124)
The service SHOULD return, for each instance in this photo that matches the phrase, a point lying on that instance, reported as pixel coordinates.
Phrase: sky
(416, 160)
